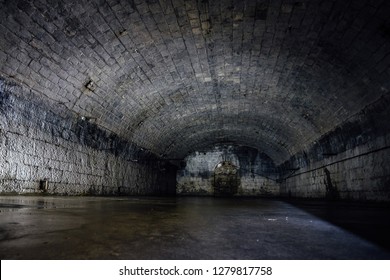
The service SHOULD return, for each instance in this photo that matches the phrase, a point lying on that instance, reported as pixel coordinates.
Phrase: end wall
(256, 172)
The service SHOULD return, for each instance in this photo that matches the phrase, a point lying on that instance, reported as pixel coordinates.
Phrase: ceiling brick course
(174, 76)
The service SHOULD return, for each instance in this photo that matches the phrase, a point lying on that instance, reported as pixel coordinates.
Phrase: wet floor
(173, 228)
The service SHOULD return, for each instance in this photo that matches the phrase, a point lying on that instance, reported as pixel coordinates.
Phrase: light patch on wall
(90, 85)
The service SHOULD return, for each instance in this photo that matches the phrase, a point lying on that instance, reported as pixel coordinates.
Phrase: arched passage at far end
(226, 179)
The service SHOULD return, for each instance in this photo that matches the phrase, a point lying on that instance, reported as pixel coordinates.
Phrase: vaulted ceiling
(176, 76)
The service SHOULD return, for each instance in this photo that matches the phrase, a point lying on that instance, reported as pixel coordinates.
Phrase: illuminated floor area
(187, 228)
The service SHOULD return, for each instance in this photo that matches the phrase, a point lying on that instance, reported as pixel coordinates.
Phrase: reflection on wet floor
(33, 227)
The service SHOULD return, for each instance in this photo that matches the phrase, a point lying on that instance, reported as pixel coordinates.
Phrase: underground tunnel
(194, 129)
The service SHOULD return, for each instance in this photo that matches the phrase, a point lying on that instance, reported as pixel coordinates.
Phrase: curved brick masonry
(99, 94)
(274, 75)
(351, 162)
(40, 142)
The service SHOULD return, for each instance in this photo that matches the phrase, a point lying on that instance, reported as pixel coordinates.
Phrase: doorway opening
(226, 179)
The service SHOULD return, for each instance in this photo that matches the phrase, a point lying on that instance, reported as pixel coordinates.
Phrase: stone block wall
(358, 174)
(352, 162)
(257, 175)
(42, 142)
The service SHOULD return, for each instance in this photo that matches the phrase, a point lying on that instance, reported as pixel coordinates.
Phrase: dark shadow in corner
(370, 221)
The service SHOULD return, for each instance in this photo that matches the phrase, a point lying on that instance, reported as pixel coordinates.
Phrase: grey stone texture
(176, 76)
(257, 174)
(351, 162)
(73, 155)
(105, 88)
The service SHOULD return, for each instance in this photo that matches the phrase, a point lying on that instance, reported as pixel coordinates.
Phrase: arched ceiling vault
(206, 138)
(173, 76)
(251, 124)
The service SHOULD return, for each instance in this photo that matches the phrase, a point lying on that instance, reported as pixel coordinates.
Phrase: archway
(226, 179)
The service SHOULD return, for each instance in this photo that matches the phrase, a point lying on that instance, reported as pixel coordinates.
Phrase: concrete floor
(44, 227)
